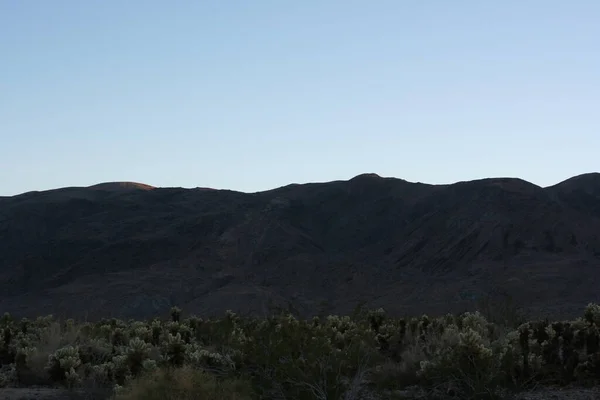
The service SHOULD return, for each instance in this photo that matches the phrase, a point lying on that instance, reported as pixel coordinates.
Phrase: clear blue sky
(251, 95)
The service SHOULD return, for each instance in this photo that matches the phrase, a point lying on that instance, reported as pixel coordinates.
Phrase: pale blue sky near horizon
(252, 95)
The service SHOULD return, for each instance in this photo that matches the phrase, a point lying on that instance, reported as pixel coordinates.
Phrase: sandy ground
(41, 394)
(561, 394)
(31, 394)
(539, 394)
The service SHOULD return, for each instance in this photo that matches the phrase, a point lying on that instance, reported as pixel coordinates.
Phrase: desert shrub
(305, 359)
(467, 362)
(461, 354)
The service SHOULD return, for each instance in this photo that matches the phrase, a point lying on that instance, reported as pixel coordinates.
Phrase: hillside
(132, 250)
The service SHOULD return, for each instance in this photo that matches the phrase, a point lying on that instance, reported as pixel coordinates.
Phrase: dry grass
(53, 338)
(184, 384)
(403, 373)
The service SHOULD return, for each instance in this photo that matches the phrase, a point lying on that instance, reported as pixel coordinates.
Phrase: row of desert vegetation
(473, 355)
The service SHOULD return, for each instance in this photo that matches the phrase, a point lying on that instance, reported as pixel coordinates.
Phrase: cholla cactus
(106, 331)
(120, 369)
(62, 361)
(535, 363)
(156, 329)
(185, 332)
(283, 347)
(174, 350)
(475, 321)
(424, 324)
(6, 319)
(175, 314)
(101, 373)
(149, 365)
(194, 322)
(23, 356)
(140, 330)
(72, 378)
(592, 314)
(593, 340)
(44, 322)
(239, 336)
(118, 337)
(8, 375)
(137, 345)
(137, 353)
(69, 324)
(118, 389)
(376, 318)
(551, 332)
(231, 316)
(27, 351)
(95, 351)
(204, 358)
(473, 342)
(450, 338)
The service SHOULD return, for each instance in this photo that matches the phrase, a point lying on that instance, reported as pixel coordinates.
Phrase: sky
(252, 95)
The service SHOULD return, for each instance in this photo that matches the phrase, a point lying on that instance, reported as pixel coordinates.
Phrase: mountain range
(127, 249)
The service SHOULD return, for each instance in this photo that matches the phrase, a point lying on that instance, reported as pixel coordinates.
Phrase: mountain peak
(368, 175)
(121, 186)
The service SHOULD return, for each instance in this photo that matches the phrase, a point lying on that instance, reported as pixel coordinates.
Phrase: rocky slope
(132, 250)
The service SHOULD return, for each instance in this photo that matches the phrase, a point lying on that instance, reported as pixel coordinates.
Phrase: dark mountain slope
(581, 193)
(134, 250)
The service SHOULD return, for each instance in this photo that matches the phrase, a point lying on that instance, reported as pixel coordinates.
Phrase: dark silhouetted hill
(132, 250)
